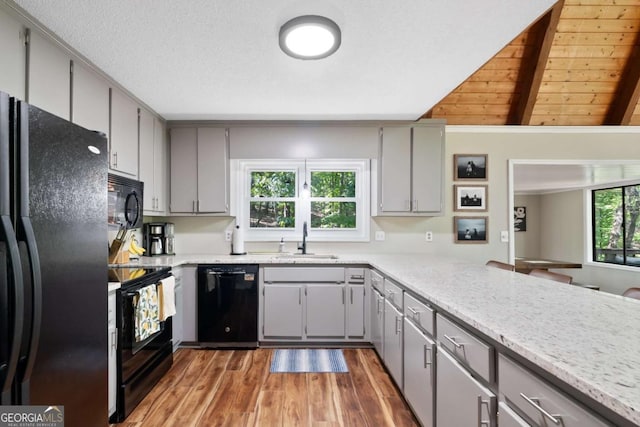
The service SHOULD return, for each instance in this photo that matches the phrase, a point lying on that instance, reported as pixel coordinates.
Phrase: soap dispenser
(281, 246)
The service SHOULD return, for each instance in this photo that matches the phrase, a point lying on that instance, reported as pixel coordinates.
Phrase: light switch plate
(504, 236)
(379, 236)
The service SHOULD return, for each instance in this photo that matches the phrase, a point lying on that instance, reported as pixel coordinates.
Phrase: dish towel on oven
(166, 289)
(147, 312)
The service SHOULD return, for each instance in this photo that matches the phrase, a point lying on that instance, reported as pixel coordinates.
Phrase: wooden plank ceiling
(579, 65)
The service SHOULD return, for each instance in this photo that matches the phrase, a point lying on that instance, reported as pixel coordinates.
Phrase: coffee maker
(158, 238)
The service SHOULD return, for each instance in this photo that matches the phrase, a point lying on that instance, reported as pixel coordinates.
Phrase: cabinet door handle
(427, 353)
(379, 300)
(351, 294)
(415, 314)
(398, 328)
(415, 205)
(453, 341)
(300, 296)
(480, 404)
(343, 296)
(535, 402)
(115, 159)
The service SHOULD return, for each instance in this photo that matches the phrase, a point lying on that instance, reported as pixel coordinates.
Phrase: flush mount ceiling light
(310, 37)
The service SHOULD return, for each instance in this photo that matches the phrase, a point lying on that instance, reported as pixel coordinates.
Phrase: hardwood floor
(235, 388)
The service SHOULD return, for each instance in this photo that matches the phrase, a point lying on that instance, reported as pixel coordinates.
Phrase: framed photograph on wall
(519, 218)
(470, 198)
(471, 229)
(470, 167)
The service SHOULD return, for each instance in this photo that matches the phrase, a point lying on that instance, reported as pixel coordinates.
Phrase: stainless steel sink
(311, 256)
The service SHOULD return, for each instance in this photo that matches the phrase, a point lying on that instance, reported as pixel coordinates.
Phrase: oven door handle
(227, 273)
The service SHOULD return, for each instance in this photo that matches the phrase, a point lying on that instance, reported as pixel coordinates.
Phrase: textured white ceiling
(219, 59)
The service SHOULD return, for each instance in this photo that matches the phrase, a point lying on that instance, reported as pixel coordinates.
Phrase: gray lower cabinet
(538, 400)
(393, 341)
(282, 311)
(377, 321)
(355, 311)
(508, 418)
(325, 311)
(461, 399)
(189, 304)
(419, 373)
(177, 320)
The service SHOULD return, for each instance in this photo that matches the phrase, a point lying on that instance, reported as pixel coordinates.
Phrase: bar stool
(632, 293)
(501, 265)
(558, 277)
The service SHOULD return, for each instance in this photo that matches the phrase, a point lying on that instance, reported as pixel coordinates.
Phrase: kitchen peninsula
(584, 342)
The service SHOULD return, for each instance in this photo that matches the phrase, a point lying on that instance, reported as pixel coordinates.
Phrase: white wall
(527, 243)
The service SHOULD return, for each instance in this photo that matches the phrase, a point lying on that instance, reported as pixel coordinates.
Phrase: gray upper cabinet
(124, 134)
(49, 79)
(410, 171)
(12, 65)
(395, 173)
(89, 99)
(199, 171)
(152, 162)
(213, 171)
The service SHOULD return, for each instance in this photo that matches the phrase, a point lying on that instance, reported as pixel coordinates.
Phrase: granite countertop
(586, 338)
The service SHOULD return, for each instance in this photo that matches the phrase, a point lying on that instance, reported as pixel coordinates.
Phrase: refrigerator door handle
(15, 279)
(36, 303)
(11, 282)
(26, 235)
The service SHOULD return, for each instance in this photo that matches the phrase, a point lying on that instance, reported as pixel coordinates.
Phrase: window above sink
(271, 203)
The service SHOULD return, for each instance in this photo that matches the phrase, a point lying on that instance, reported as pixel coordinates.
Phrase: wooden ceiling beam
(628, 90)
(533, 65)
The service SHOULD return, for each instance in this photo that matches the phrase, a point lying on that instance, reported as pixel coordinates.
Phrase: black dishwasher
(228, 305)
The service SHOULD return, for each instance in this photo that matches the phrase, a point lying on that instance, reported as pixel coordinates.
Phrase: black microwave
(125, 197)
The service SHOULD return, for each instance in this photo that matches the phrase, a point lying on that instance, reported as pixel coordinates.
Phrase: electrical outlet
(227, 235)
(428, 236)
(380, 236)
(504, 236)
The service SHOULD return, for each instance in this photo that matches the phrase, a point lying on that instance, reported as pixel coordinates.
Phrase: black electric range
(141, 362)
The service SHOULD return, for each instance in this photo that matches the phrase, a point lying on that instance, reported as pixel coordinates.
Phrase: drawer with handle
(420, 313)
(377, 281)
(469, 350)
(393, 293)
(542, 403)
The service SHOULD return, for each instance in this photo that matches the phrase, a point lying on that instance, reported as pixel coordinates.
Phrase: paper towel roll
(237, 242)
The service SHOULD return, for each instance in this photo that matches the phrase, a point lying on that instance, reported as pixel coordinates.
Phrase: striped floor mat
(308, 360)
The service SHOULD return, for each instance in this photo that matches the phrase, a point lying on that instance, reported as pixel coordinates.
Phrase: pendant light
(305, 187)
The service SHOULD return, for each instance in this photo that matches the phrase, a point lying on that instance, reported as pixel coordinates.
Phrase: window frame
(362, 169)
(591, 253)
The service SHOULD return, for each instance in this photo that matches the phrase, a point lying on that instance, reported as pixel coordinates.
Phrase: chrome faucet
(303, 248)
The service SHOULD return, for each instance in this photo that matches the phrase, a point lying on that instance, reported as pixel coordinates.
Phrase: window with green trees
(274, 205)
(616, 231)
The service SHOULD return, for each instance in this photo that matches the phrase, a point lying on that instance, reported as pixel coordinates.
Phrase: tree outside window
(616, 231)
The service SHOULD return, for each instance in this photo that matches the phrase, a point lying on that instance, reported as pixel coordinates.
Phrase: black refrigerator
(53, 264)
